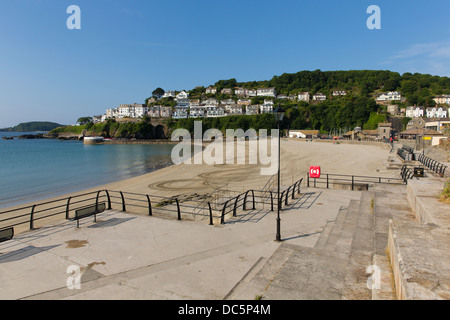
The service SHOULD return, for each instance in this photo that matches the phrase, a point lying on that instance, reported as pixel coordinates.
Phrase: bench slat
(89, 211)
(6, 234)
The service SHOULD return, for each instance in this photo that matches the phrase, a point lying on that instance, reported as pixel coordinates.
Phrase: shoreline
(296, 158)
(224, 171)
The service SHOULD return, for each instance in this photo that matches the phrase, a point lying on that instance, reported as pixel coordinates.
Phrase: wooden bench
(89, 211)
(6, 234)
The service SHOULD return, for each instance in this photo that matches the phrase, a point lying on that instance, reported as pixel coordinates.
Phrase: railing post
(308, 181)
(315, 182)
(222, 218)
(32, 218)
(253, 196)
(109, 199)
(123, 202)
(235, 205)
(67, 208)
(96, 200)
(327, 182)
(178, 209)
(210, 215)
(244, 205)
(353, 182)
(149, 205)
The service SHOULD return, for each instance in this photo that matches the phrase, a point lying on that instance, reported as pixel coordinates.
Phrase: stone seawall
(366, 143)
(140, 141)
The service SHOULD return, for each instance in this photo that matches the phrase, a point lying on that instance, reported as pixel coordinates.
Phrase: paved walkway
(126, 256)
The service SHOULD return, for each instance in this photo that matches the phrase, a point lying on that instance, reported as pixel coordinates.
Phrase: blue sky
(126, 49)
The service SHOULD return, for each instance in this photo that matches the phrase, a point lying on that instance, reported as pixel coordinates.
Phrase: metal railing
(406, 173)
(64, 207)
(177, 207)
(406, 153)
(264, 196)
(431, 164)
(352, 180)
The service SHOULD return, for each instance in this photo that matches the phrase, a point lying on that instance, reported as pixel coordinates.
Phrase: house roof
(306, 132)
(415, 131)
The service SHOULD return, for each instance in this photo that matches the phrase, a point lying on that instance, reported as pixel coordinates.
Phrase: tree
(84, 120)
(158, 93)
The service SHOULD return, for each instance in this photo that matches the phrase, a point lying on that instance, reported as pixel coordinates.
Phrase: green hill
(33, 126)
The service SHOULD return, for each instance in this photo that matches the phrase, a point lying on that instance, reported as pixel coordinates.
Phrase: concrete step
(307, 274)
(361, 252)
(254, 284)
(340, 237)
(328, 228)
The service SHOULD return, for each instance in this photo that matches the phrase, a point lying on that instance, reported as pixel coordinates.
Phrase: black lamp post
(279, 115)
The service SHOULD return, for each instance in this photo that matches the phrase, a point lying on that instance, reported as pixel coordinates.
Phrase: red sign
(314, 172)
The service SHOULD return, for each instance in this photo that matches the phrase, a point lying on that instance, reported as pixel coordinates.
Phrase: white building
(183, 102)
(319, 97)
(414, 112)
(266, 92)
(112, 113)
(213, 111)
(211, 101)
(437, 112)
(227, 102)
(339, 93)
(197, 112)
(252, 93)
(267, 107)
(241, 92)
(182, 95)
(252, 110)
(180, 112)
(233, 109)
(169, 94)
(390, 96)
(211, 90)
(444, 99)
(160, 112)
(303, 96)
(132, 110)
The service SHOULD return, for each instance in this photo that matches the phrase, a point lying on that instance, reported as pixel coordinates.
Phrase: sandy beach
(296, 158)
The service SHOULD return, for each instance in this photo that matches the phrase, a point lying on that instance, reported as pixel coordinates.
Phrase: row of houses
(430, 112)
(242, 92)
(265, 92)
(193, 109)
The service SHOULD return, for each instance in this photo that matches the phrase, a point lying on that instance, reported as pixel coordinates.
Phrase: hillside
(33, 126)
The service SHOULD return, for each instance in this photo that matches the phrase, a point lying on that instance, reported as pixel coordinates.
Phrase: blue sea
(33, 170)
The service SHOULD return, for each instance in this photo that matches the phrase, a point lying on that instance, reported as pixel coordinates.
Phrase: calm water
(32, 170)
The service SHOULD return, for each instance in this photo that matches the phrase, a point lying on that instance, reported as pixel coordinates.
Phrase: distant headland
(33, 126)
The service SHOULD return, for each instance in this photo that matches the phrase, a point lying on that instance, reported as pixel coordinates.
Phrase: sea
(32, 170)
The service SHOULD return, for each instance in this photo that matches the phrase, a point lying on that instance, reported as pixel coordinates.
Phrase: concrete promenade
(126, 256)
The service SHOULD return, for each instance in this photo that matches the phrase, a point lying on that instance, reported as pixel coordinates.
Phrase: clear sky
(126, 49)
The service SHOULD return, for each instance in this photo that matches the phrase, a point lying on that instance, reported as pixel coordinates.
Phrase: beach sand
(296, 158)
